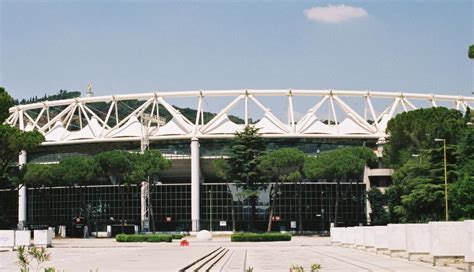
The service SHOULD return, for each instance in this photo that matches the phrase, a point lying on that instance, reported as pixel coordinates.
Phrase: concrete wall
(349, 237)
(397, 237)
(469, 243)
(381, 237)
(369, 237)
(43, 238)
(435, 239)
(447, 238)
(359, 236)
(23, 238)
(7, 238)
(418, 238)
(336, 234)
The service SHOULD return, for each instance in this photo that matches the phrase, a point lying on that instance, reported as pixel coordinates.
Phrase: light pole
(445, 177)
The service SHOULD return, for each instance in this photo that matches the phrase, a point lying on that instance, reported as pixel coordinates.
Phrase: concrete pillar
(22, 195)
(195, 183)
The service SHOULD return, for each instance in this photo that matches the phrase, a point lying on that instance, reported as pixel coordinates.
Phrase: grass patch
(151, 238)
(260, 237)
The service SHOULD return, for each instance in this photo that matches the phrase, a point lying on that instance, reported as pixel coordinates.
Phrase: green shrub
(156, 238)
(121, 237)
(177, 236)
(260, 237)
(152, 238)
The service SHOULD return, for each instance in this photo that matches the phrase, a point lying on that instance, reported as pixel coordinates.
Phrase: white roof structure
(267, 126)
(350, 114)
(223, 125)
(91, 131)
(317, 127)
(347, 126)
(173, 127)
(132, 128)
(56, 133)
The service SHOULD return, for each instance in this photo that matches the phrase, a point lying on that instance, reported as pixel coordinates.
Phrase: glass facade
(8, 208)
(171, 207)
(101, 204)
(310, 204)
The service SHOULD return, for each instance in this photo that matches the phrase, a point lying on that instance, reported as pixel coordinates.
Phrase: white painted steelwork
(144, 120)
(195, 184)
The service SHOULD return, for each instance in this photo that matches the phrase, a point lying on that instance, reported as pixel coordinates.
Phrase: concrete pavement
(107, 255)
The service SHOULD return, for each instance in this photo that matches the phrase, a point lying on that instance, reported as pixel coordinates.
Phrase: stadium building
(189, 196)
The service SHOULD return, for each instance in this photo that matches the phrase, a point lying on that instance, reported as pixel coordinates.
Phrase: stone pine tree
(41, 176)
(118, 166)
(282, 165)
(148, 166)
(6, 101)
(13, 140)
(81, 172)
(339, 165)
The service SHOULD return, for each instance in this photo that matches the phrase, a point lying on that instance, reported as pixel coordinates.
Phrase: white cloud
(335, 14)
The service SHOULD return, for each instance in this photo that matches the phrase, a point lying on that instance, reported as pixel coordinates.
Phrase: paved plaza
(107, 255)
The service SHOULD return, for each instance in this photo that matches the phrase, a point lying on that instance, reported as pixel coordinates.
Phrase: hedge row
(177, 236)
(152, 238)
(260, 237)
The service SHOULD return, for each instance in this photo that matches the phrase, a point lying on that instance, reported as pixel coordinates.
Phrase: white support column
(144, 205)
(22, 195)
(195, 183)
(21, 189)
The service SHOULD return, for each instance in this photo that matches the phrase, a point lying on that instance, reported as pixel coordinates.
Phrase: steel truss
(144, 123)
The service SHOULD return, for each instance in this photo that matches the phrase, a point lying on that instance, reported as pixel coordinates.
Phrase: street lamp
(445, 178)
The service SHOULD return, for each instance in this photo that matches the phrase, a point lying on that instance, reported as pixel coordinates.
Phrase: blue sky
(126, 47)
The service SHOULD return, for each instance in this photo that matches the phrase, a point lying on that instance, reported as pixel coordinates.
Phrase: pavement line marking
(198, 260)
(208, 260)
(218, 259)
(227, 260)
(244, 268)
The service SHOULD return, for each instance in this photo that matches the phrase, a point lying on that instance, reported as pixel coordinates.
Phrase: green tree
(462, 198)
(471, 52)
(246, 152)
(282, 165)
(417, 192)
(149, 166)
(118, 166)
(378, 203)
(12, 142)
(6, 101)
(40, 177)
(462, 191)
(413, 131)
(339, 165)
(81, 172)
